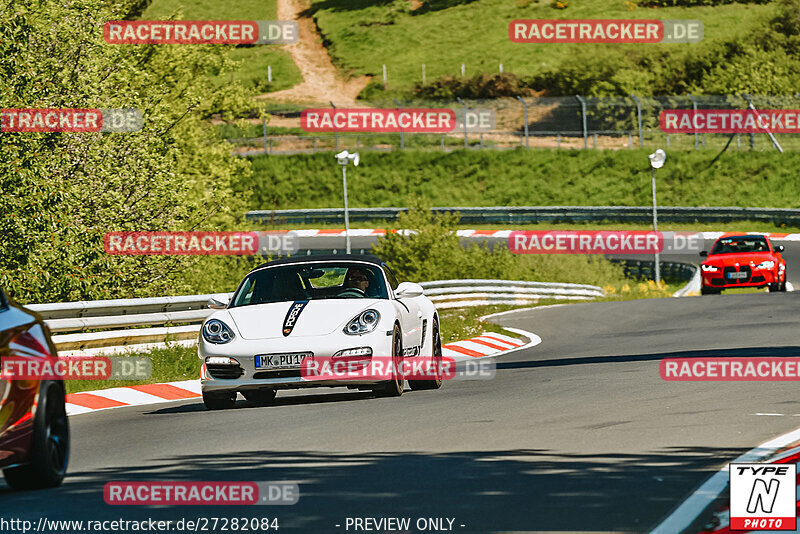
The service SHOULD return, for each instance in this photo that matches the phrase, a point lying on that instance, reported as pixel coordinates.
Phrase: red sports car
(34, 432)
(743, 261)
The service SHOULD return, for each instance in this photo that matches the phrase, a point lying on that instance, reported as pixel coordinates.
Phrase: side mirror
(704, 253)
(219, 301)
(408, 290)
(779, 248)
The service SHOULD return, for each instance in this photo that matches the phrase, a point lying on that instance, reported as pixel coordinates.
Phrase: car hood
(317, 317)
(725, 260)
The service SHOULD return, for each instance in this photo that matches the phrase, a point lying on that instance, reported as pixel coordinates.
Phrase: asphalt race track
(576, 434)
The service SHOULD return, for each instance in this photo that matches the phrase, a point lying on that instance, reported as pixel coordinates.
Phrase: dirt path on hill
(321, 81)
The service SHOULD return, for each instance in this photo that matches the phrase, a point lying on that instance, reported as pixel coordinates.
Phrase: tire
(394, 387)
(219, 401)
(260, 396)
(436, 359)
(50, 443)
(709, 291)
(774, 288)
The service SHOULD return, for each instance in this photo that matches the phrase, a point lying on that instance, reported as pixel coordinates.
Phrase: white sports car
(330, 321)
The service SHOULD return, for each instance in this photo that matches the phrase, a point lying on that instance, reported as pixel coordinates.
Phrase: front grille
(757, 279)
(280, 373)
(717, 282)
(224, 371)
(742, 269)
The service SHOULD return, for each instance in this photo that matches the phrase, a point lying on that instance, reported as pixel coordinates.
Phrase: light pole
(656, 162)
(344, 158)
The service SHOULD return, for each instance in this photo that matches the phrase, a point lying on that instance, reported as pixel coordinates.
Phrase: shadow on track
(318, 397)
(750, 352)
(490, 491)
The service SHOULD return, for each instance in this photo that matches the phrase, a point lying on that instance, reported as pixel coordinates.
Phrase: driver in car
(356, 279)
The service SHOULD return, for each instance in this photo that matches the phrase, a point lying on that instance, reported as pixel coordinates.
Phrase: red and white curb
(104, 399)
(483, 346)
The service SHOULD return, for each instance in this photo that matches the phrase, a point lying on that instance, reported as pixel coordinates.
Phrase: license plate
(280, 361)
(737, 275)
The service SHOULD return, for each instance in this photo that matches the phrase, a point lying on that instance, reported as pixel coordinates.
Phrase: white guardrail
(134, 324)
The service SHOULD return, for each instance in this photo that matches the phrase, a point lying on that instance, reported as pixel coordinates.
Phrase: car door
(410, 317)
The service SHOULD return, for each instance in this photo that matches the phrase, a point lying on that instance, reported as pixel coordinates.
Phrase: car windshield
(311, 281)
(736, 245)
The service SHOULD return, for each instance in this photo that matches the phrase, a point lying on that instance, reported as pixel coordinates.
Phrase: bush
(433, 252)
(477, 87)
(765, 61)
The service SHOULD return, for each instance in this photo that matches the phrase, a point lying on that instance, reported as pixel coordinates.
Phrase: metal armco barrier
(535, 214)
(670, 271)
(463, 293)
(178, 319)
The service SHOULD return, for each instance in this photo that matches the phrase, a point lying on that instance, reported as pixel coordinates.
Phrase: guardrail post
(525, 112)
(463, 105)
(264, 124)
(583, 114)
(335, 133)
(694, 112)
(639, 119)
(402, 135)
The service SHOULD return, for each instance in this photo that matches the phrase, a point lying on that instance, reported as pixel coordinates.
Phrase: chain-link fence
(551, 122)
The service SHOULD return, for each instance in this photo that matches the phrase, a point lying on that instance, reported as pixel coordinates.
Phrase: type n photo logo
(763, 496)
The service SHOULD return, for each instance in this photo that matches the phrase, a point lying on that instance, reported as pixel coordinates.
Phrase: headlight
(363, 323)
(769, 264)
(709, 268)
(215, 331)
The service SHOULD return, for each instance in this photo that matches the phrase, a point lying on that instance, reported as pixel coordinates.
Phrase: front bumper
(756, 278)
(322, 349)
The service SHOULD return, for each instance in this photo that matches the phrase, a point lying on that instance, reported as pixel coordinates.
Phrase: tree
(61, 192)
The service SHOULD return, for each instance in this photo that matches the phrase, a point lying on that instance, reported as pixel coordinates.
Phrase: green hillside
(362, 36)
(525, 178)
(253, 60)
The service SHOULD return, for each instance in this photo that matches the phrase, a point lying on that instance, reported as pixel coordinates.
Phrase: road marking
(688, 511)
(774, 414)
(500, 314)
